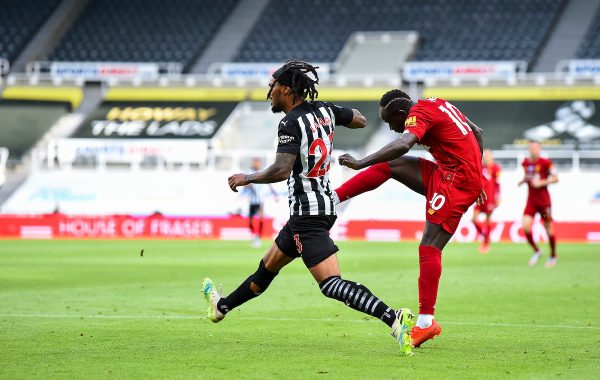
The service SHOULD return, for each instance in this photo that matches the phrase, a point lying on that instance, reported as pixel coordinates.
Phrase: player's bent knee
(261, 279)
(326, 286)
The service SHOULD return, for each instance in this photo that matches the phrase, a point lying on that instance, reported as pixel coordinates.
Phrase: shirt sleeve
(343, 115)
(418, 122)
(288, 137)
(551, 168)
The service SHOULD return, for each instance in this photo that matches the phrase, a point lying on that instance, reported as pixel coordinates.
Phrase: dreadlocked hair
(294, 74)
(395, 100)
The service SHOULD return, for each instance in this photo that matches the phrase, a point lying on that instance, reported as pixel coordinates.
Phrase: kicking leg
(406, 170)
(251, 288)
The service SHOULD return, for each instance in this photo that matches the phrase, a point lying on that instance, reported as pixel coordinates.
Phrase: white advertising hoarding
(584, 67)
(263, 70)
(131, 150)
(419, 71)
(104, 70)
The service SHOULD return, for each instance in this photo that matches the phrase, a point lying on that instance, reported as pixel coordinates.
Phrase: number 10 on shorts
(437, 201)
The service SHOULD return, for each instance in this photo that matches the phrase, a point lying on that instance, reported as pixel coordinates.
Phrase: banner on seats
(420, 71)
(104, 70)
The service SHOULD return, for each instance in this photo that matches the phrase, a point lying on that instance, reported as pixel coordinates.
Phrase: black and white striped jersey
(256, 193)
(308, 131)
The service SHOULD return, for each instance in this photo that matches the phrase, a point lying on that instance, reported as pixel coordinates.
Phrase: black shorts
(254, 209)
(307, 236)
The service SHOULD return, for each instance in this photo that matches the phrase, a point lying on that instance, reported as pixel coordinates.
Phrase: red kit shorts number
(445, 203)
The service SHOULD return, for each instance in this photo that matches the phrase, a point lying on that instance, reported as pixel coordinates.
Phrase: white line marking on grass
(283, 319)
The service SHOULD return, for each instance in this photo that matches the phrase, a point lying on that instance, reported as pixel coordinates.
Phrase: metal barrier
(238, 159)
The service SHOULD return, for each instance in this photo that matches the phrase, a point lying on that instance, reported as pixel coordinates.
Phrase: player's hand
(481, 198)
(349, 161)
(237, 180)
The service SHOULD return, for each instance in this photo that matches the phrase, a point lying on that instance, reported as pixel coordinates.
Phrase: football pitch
(98, 309)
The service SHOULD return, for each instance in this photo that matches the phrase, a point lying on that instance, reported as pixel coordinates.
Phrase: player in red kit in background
(539, 173)
(491, 186)
(450, 186)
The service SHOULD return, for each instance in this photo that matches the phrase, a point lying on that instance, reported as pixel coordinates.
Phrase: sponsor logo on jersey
(285, 139)
(320, 122)
(411, 122)
(431, 211)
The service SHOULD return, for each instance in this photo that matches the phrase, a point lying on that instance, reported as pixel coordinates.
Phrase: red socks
(552, 240)
(430, 265)
(531, 242)
(479, 228)
(367, 180)
(486, 234)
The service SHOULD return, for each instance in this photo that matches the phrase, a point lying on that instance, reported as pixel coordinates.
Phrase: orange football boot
(420, 336)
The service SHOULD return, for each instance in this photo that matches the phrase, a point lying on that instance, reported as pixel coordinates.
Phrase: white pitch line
(283, 319)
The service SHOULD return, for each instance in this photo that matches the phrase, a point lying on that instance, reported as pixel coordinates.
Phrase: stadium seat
(457, 30)
(590, 46)
(142, 31)
(19, 20)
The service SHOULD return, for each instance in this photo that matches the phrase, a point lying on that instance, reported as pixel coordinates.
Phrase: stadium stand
(19, 20)
(142, 31)
(24, 123)
(457, 30)
(590, 46)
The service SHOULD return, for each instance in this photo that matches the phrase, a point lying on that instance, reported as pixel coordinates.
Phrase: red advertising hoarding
(236, 228)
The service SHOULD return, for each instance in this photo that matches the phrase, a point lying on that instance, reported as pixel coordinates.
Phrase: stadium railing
(236, 159)
(38, 73)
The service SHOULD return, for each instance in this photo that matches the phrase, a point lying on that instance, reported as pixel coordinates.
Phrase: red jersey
(491, 181)
(443, 130)
(540, 169)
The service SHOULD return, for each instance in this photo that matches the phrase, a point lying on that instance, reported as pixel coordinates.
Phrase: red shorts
(544, 208)
(487, 208)
(445, 204)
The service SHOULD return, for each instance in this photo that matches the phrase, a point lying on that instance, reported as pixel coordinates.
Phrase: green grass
(97, 309)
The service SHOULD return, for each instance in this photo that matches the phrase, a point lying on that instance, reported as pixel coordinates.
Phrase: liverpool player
(491, 183)
(306, 136)
(450, 186)
(539, 173)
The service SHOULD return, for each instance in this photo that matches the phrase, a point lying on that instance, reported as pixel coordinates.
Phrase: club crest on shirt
(411, 122)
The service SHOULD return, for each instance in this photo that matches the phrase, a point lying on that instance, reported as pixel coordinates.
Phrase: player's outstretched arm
(358, 120)
(389, 152)
(279, 171)
(478, 132)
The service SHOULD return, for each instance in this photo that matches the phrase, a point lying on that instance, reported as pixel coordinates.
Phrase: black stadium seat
(450, 30)
(590, 46)
(19, 21)
(142, 30)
